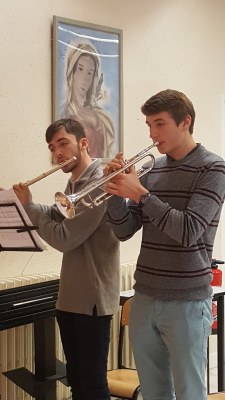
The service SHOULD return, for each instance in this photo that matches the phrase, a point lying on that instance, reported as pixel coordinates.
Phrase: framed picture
(87, 82)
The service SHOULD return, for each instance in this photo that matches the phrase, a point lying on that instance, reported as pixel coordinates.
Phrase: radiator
(16, 344)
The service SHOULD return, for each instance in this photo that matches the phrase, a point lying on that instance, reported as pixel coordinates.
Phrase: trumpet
(50, 171)
(67, 204)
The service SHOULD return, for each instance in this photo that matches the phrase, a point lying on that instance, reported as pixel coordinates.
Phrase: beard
(71, 166)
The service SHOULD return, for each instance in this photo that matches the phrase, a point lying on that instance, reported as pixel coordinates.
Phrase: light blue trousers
(169, 341)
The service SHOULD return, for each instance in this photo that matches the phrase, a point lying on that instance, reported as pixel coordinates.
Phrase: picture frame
(87, 82)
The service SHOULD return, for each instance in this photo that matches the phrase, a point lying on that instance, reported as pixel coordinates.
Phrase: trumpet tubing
(141, 172)
(67, 204)
(50, 171)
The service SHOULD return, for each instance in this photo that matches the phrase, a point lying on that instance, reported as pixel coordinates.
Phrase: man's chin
(161, 149)
(68, 169)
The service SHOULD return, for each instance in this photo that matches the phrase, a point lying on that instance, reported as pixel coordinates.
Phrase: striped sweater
(179, 224)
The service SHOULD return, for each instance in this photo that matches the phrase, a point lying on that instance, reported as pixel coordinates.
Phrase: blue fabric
(169, 340)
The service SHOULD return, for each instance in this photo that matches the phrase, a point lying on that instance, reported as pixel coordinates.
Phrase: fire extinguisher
(217, 273)
(217, 281)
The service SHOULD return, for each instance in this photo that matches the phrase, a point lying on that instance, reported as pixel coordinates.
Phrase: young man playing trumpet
(178, 206)
(89, 281)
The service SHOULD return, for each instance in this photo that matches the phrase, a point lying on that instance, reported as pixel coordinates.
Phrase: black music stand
(16, 231)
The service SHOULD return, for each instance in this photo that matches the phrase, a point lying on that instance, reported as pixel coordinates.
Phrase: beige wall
(166, 43)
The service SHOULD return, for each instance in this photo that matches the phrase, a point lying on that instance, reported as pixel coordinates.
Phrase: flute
(50, 171)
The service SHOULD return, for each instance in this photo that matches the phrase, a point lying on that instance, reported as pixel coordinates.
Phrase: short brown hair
(175, 103)
(71, 126)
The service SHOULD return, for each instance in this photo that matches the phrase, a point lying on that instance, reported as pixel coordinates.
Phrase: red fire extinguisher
(217, 281)
(217, 273)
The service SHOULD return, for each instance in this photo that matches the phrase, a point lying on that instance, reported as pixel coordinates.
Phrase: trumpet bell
(67, 204)
(64, 205)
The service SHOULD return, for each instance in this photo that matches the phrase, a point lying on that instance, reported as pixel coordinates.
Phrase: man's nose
(58, 155)
(153, 134)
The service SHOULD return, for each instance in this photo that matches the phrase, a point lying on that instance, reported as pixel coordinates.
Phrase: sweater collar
(186, 158)
(86, 175)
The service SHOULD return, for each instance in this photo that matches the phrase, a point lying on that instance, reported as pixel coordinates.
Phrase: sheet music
(15, 224)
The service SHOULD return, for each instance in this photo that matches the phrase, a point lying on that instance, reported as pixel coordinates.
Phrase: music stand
(17, 233)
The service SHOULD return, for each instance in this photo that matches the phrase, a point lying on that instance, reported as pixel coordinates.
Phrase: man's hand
(23, 193)
(126, 185)
(116, 163)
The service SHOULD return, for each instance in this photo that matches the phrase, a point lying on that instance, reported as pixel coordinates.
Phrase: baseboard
(212, 360)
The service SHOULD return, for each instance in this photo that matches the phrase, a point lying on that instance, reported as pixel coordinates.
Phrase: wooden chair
(123, 382)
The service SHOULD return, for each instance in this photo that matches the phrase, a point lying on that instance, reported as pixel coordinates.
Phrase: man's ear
(83, 143)
(187, 121)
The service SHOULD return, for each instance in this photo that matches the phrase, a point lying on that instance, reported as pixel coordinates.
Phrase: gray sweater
(90, 263)
(179, 224)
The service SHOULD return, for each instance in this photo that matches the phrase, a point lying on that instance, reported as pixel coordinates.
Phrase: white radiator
(16, 344)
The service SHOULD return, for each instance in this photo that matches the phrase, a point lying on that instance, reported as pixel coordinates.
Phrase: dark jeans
(85, 341)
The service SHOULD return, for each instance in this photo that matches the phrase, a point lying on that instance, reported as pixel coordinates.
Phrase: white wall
(166, 43)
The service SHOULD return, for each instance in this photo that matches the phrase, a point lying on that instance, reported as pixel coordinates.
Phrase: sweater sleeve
(65, 234)
(124, 216)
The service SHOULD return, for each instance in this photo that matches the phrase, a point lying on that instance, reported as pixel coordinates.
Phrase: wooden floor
(213, 387)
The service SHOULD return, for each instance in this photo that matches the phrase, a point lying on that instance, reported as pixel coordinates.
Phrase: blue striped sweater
(179, 224)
